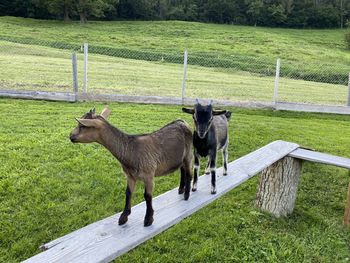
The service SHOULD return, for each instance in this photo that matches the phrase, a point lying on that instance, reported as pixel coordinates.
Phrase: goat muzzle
(73, 138)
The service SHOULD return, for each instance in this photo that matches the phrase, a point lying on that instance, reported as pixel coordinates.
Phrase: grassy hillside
(50, 187)
(293, 44)
(145, 58)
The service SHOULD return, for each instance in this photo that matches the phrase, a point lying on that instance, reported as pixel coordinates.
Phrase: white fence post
(75, 72)
(349, 91)
(184, 77)
(275, 94)
(85, 67)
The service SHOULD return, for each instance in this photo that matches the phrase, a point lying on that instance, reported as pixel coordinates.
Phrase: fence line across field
(349, 91)
(190, 75)
(277, 71)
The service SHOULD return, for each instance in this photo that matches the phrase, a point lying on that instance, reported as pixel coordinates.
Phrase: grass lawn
(47, 69)
(145, 58)
(50, 187)
(307, 45)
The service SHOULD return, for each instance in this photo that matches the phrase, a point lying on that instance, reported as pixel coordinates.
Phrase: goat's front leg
(148, 198)
(213, 171)
(128, 193)
(195, 172)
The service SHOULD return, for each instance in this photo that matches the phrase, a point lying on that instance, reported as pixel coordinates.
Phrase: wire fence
(29, 64)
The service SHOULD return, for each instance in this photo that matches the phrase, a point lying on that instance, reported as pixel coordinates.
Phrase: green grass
(292, 44)
(44, 68)
(245, 48)
(50, 187)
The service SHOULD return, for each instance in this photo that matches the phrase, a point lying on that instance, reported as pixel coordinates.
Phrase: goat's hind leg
(225, 157)
(182, 181)
(188, 178)
(148, 198)
(128, 193)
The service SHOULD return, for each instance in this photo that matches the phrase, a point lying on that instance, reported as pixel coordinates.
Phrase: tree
(254, 10)
(59, 8)
(93, 8)
(273, 15)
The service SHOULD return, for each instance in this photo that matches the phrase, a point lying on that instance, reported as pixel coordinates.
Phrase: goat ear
(93, 110)
(219, 112)
(105, 113)
(90, 122)
(189, 111)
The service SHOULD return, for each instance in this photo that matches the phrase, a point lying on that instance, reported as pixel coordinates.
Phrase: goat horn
(211, 102)
(105, 113)
(197, 101)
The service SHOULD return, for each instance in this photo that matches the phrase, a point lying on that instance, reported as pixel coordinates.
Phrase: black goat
(210, 135)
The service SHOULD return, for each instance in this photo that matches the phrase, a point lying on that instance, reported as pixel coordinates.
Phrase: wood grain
(312, 108)
(320, 158)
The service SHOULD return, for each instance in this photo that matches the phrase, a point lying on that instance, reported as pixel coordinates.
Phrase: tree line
(273, 13)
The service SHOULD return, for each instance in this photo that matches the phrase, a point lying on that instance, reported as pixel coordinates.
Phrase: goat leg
(225, 156)
(207, 170)
(182, 181)
(195, 172)
(213, 172)
(188, 181)
(127, 209)
(148, 198)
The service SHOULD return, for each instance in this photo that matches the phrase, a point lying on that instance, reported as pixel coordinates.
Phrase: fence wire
(30, 64)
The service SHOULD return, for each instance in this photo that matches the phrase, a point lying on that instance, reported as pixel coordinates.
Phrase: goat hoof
(225, 173)
(213, 192)
(148, 221)
(186, 195)
(194, 189)
(181, 191)
(122, 219)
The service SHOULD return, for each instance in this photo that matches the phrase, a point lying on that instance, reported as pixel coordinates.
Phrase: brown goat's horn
(105, 113)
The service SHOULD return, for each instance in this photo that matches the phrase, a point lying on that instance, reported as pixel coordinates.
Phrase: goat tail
(228, 115)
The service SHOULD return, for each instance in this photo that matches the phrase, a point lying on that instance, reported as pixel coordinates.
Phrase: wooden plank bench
(105, 240)
(318, 157)
(279, 182)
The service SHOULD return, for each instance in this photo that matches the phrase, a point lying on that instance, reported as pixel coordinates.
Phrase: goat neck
(117, 142)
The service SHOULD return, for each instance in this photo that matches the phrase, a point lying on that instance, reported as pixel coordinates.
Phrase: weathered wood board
(105, 240)
(38, 95)
(312, 107)
(320, 158)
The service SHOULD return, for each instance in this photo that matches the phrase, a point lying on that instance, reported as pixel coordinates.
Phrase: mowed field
(50, 187)
(32, 65)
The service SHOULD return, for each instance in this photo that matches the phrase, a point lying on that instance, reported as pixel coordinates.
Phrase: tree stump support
(278, 186)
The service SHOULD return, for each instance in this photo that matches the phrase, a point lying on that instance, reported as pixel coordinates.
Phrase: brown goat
(141, 156)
